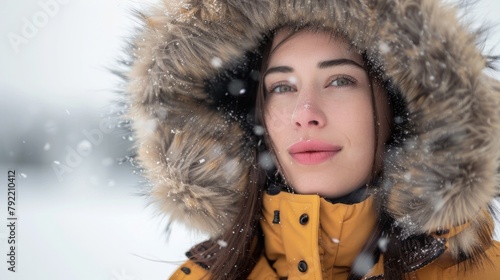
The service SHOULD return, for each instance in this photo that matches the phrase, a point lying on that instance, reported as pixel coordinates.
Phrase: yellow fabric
(444, 269)
(195, 272)
(330, 241)
(263, 271)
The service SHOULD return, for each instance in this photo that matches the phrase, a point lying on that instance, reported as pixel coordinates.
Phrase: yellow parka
(308, 237)
(191, 95)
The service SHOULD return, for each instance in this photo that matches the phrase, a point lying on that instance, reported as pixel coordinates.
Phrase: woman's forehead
(310, 39)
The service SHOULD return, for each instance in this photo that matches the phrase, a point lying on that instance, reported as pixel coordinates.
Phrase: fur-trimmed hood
(196, 150)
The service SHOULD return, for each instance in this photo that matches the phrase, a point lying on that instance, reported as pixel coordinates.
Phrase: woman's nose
(308, 113)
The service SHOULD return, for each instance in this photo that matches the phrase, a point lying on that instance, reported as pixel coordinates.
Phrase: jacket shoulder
(488, 269)
(445, 268)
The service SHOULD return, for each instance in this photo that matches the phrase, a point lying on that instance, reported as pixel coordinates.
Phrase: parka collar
(326, 237)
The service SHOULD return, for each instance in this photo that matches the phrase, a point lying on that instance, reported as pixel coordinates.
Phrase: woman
(320, 139)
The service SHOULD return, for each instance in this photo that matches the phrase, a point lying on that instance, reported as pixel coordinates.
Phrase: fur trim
(444, 174)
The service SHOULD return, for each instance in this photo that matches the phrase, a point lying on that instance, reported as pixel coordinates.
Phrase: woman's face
(319, 113)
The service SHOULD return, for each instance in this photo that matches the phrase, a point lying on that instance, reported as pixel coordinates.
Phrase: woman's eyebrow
(336, 62)
(278, 69)
(321, 65)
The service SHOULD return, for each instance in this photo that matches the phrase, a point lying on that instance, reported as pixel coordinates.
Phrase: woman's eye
(342, 82)
(281, 89)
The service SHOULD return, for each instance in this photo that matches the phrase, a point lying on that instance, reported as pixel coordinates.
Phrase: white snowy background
(80, 213)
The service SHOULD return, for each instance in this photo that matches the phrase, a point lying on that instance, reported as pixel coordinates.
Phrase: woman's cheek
(276, 119)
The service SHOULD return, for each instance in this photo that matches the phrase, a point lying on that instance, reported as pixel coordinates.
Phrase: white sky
(65, 60)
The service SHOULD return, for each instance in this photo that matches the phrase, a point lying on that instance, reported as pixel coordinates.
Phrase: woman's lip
(312, 151)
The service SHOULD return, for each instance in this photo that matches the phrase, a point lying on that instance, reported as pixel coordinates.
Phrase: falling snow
(362, 264)
(382, 244)
(84, 147)
(266, 161)
(222, 243)
(292, 80)
(384, 48)
(398, 119)
(407, 177)
(258, 130)
(216, 62)
(236, 87)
